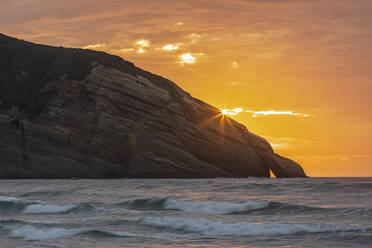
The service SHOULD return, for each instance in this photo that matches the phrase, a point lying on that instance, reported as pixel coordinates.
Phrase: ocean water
(252, 212)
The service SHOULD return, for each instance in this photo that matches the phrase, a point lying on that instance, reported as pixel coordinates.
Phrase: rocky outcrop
(79, 113)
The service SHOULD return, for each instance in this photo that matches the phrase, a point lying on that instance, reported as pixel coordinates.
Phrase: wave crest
(194, 206)
(56, 209)
(216, 228)
(30, 232)
(18, 205)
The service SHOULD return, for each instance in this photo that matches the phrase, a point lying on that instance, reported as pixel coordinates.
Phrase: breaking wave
(11, 205)
(246, 229)
(18, 205)
(56, 209)
(194, 206)
(30, 232)
(216, 207)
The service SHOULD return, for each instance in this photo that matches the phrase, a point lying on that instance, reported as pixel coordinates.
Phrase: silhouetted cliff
(80, 113)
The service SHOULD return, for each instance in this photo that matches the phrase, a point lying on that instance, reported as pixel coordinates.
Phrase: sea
(222, 212)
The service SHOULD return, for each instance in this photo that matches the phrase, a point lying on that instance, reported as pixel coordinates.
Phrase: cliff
(79, 113)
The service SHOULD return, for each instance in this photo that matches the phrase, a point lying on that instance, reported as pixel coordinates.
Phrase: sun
(230, 112)
(224, 111)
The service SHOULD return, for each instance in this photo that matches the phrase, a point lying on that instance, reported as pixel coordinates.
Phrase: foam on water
(15, 200)
(35, 212)
(217, 228)
(49, 208)
(12, 204)
(29, 232)
(9, 199)
(32, 233)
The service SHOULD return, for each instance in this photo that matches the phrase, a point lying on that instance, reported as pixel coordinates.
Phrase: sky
(296, 72)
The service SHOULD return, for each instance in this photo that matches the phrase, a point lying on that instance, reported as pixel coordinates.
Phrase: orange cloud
(187, 58)
(94, 46)
(170, 47)
(262, 113)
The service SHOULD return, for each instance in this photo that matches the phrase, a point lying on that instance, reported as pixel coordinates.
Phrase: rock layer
(79, 113)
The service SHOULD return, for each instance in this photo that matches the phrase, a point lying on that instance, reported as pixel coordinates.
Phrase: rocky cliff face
(79, 113)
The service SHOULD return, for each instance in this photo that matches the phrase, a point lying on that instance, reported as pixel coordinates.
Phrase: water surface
(252, 212)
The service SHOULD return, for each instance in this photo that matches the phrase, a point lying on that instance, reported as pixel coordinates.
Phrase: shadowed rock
(79, 113)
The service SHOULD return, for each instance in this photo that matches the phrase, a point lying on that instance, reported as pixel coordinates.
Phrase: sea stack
(75, 113)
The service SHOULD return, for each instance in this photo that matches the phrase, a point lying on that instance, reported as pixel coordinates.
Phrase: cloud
(94, 46)
(143, 43)
(254, 113)
(188, 58)
(273, 112)
(235, 64)
(126, 50)
(283, 143)
(141, 50)
(194, 37)
(170, 47)
(231, 111)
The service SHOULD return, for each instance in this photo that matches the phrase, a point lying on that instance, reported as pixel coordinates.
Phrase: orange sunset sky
(297, 72)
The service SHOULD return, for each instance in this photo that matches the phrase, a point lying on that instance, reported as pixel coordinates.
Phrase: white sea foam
(9, 199)
(216, 228)
(48, 208)
(29, 232)
(214, 207)
(39, 207)
(14, 199)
